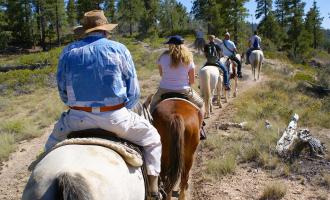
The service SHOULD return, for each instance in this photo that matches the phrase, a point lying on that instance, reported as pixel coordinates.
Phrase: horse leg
(259, 66)
(235, 86)
(219, 89)
(254, 72)
(185, 175)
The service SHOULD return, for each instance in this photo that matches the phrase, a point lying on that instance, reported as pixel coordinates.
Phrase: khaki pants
(123, 122)
(193, 97)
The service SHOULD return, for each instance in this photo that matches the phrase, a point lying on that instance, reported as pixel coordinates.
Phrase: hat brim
(105, 27)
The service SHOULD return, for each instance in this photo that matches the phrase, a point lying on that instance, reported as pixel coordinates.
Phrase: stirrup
(202, 132)
(154, 196)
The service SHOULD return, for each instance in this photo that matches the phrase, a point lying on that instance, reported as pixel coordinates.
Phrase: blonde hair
(179, 53)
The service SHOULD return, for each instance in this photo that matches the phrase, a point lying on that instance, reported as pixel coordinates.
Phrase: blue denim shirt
(96, 72)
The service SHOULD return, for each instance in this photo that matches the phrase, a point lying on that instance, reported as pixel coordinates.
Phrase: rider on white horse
(254, 44)
(229, 49)
(212, 53)
(97, 80)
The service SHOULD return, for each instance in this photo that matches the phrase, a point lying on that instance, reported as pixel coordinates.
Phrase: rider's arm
(131, 80)
(191, 75)
(160, 70)
(61, 82)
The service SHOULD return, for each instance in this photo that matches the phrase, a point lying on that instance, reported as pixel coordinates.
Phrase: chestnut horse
(178, 122)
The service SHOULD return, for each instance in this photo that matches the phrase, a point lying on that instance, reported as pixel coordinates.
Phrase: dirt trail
(15, 172)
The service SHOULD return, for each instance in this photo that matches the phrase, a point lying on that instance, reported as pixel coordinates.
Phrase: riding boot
(153, 193)
(203, 132)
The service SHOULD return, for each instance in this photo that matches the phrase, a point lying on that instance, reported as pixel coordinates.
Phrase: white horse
(210, 80)
(84, 172)
(232, 70)
(256, 58)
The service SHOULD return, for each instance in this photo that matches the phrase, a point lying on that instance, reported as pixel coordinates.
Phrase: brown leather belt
(98, 109)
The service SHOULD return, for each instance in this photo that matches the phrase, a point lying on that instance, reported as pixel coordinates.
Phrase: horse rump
(72, 187)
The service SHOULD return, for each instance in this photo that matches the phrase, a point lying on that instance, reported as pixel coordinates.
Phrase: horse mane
(72, 187)
(177, 128)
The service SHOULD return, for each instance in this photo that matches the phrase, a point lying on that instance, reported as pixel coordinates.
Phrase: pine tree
(270, 28)
(87, 5)
(173, 16)
(149, 20)
(208, 11)
(296, 27)
(110, 10)
(130, 12)
(5, 34)
(263, 8)
(72, 13)
(233, 14)
(282, 12)
(313, 25)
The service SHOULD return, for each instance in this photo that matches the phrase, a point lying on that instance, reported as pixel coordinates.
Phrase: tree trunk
(42, 28)
(57, 26)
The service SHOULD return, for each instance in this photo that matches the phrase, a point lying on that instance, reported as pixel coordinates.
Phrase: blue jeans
(224, 70)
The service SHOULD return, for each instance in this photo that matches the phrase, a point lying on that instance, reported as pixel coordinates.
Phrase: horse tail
(256, 60)
(177, 128)
(207, 84)
(72, 187)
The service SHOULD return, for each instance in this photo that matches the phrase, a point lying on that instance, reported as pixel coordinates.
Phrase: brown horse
(178, 123)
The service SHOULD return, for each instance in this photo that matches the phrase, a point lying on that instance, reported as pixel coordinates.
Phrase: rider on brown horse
(177, 69)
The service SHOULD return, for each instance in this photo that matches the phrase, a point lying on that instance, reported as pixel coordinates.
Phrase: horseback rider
(177, 71)
(199, 42)
(97, 80)
(212, 53)
(254, 44)
(229, 49)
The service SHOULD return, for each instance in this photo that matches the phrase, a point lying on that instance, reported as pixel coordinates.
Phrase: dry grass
(326, 178)
(27, 116)
(7, 144)
(273, 191)
(221, 166)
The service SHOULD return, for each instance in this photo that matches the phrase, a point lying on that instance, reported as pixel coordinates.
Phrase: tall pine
(149, 21)
(173, 16)
(110, 10)
(130, 13)
(71, 13)
(313, 25)
(297, 37)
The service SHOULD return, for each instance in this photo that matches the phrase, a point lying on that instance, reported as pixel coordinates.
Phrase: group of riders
(217, 48)
(97, 80)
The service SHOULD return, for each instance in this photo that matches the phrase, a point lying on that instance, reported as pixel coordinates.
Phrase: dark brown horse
(178, 123)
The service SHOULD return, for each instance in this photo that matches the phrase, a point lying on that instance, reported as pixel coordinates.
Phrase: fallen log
(225, 126)
(293, 142)
(21, 67)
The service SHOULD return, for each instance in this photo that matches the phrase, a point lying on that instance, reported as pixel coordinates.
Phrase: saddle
(131, 153)
(174, 95)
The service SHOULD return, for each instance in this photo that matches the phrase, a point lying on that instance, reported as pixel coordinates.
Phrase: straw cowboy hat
(95, 21)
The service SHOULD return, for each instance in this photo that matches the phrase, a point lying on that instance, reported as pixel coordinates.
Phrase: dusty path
(15, 172)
